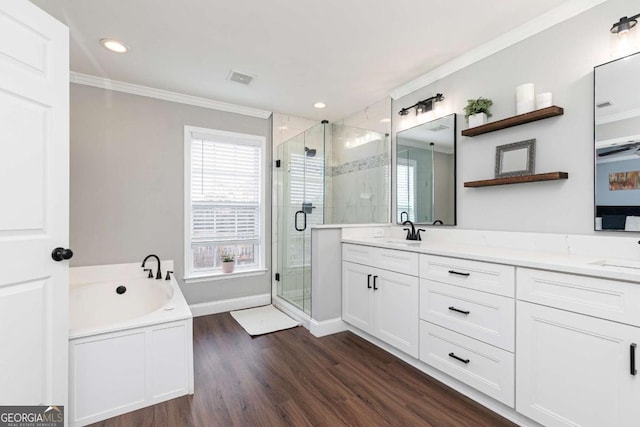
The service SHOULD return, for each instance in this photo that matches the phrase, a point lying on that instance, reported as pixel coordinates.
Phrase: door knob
(60, 254)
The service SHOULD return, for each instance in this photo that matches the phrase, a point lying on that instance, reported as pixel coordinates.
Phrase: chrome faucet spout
(159, 273)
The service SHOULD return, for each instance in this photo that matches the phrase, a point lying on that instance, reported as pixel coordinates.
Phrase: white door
(575, 370)
(357, 295)
(396, 305)
(34, 199)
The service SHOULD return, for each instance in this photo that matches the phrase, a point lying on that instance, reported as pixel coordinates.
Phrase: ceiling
(348, 54)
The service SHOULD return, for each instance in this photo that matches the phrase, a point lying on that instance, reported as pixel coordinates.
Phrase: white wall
(127, 182)
(559, 60)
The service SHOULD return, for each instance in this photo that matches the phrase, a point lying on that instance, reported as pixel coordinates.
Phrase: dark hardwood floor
(291, 378)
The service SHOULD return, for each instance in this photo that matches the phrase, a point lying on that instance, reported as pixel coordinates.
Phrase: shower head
(310, 152)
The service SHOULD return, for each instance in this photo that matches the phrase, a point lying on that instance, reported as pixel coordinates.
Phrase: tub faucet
(159, 274)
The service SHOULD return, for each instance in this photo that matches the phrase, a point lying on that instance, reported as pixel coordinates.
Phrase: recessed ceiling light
(283, 127)
(114, 45)
(319, 105)
(385, 120)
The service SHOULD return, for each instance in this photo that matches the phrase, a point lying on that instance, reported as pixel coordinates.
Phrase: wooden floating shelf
(543, 113)
(550, 176)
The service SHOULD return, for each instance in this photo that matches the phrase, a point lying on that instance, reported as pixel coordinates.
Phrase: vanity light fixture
(423, 106)
(114, 45)
(625, 24)
(624, 38)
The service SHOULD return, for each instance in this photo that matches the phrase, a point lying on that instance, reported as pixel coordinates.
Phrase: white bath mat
(263, 320)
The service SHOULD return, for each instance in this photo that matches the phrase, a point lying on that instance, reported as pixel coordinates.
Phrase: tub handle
(168, 276)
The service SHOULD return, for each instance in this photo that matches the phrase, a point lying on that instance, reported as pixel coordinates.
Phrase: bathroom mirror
(426, 172)
(617, 144)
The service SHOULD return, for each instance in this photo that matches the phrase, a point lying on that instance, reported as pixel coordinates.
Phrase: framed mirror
(516, 159)
(617, 144)
(425, 173)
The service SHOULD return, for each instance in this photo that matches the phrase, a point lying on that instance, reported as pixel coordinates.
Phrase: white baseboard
(222, 306)
(291, 311)
(326, 327)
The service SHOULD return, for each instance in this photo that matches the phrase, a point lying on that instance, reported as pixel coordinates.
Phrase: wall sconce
(624, 24)
(623, 37)
(423, 106)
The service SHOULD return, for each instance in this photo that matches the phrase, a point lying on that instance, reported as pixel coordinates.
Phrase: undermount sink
(627, 266)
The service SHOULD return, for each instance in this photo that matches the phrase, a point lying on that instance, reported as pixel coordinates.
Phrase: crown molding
(559, 14)
(134, 89)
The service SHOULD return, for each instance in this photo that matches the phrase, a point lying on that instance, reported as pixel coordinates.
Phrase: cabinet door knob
(632, 359)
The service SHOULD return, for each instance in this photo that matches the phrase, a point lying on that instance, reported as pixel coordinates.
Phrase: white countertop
(618, 269)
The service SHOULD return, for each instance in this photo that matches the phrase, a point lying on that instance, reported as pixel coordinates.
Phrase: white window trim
(189, 276)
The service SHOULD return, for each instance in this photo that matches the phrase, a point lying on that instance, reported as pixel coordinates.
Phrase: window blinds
(225, 191)
(406, 189)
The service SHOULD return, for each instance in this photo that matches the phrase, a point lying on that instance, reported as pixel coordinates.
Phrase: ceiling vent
(605, 104)
(238, 77)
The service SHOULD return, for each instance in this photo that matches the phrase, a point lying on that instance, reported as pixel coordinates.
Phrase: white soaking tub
(130, 341)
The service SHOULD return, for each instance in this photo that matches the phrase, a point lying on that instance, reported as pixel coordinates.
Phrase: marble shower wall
(357, 179)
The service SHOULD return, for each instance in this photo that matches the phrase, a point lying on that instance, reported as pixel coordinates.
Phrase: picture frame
(516, 159)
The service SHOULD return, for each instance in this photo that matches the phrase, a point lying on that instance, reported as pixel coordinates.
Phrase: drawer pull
(368, 281)
(459, 273)
(465, 361)
(452, 308)
(632, 359)
(375, 287)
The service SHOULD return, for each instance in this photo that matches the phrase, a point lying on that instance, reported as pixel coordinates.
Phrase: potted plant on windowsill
(228, 263)
(477, 111)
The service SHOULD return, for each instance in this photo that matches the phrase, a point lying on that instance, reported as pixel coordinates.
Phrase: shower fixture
(310, 152)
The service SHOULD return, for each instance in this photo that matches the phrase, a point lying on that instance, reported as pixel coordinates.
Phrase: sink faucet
(412, 234)
(159, 274)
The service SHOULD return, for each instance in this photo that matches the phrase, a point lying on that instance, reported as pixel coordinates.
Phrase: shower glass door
(300, 206)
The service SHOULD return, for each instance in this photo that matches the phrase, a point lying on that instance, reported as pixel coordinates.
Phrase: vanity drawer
(486, 317)
(399, 261)
(386, 259)
(357, 253)
(489, 369)
(604, 298)
(482, 276)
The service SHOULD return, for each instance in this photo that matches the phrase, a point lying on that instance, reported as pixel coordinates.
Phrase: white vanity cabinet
(467, 326)
(575, 365)
(380, 294)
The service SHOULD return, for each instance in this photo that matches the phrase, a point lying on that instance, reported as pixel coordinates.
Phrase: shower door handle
(295, 221)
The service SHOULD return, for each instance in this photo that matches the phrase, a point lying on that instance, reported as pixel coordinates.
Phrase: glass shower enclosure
(329, 174)
(300, 186)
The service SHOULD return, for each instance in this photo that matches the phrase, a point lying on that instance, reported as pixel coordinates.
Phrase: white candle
(544, 100)
(525, 98)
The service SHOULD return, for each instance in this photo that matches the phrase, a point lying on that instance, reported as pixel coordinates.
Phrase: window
(406, 173)
(224, 201)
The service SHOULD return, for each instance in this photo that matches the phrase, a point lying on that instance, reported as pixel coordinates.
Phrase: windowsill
(208, 277)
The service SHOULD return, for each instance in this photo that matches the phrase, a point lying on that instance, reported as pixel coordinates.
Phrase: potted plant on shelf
(228, 262)
(477, 111)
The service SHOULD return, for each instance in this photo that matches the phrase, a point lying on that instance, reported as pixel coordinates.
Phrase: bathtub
(130, 341)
